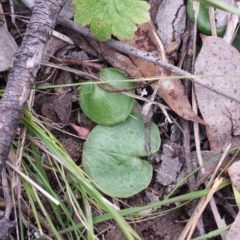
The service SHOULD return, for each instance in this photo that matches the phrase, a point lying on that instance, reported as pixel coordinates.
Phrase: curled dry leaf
(116, 59)
(218, 62)
(81, 131)
(171, 90)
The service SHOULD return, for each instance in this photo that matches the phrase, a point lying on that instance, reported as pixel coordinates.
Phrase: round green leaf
(112, 156)
(106, 108)
(203, 20)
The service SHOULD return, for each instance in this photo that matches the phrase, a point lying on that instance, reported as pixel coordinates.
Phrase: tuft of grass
(50, 166)
(46, 162)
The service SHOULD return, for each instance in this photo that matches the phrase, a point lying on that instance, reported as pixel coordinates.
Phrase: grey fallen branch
(23, 74)
(151, 57)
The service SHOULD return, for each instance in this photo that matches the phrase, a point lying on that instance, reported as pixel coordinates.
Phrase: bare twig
(212, 21)
(151, 57)
(87, 75)
(205, 202)
(187, 228)
(232, 25)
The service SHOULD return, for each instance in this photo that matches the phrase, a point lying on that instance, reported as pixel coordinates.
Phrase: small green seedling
(106, 108)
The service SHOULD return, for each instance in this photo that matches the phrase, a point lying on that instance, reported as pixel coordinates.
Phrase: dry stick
(185, 126)
(7, 195)
(90, 76)
(187, 228)
(151, 57)
(194, 105)
(22, 76)
(200, 225)
(223, 202)
(219, 221)
(87, 75)
(232, 26)
(212, 21)
(194, 101)
(216, 184)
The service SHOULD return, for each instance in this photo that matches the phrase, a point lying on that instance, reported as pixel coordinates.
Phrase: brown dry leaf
(233, 233)
(218, 58)
(81, 131)
(53, 45)
(116, 59)
(171, 90)
(58, 106)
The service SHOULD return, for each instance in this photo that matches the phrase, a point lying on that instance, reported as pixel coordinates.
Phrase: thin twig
(232, 25)
(151, 57)
(186, 229)
(217, 182)
(7, 195)
(212, 21)
(87, 75)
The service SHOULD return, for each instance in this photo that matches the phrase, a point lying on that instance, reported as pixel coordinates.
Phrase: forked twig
(151, 57)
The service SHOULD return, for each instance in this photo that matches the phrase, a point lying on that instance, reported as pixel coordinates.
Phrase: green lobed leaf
(111, 17)
(104, 107)
(112, 156)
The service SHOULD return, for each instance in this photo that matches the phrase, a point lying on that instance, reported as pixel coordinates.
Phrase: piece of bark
(25, 67)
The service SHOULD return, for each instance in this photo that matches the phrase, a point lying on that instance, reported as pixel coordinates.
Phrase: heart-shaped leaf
(106, 108)
(112, 156)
